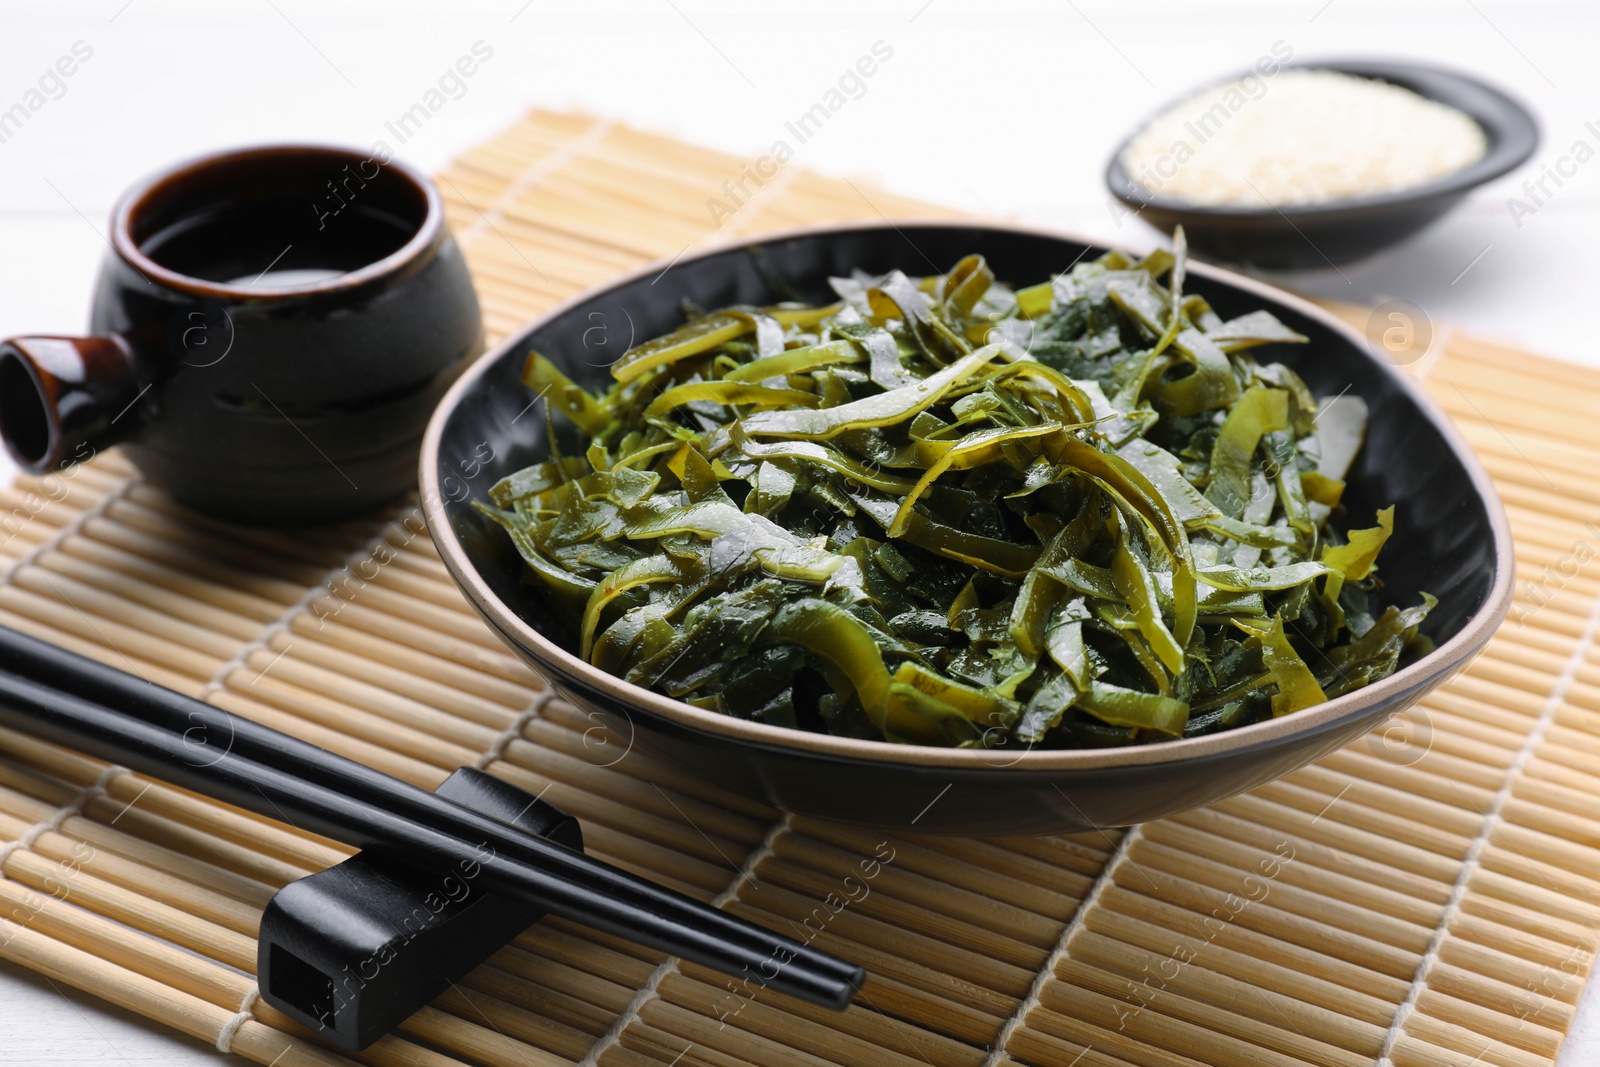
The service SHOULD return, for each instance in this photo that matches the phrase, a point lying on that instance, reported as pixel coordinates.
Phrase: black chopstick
(74, 701)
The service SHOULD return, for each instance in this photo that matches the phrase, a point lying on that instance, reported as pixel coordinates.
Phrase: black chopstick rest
(352, 950)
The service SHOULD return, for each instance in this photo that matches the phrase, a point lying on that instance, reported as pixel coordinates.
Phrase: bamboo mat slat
(1427, 897)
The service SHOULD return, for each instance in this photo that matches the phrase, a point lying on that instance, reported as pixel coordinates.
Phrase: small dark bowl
(1450, 539)
(1297, 236)
(292, 404)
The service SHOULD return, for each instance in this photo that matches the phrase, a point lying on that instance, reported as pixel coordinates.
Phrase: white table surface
(983, 106)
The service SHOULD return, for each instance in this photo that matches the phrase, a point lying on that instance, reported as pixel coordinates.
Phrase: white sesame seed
(1301, 137)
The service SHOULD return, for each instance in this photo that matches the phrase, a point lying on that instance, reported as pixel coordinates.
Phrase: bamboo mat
(1424, 897)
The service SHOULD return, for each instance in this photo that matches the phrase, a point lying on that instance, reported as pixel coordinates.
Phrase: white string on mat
(53, 824)
(70, 530)
(758, 855)
(488, 217)
(1492, 819)
(514, 731)
(263, 640)
(649, 991)
(752, 208)
(630, 1014)
(230, 1029)
(1019, 1017)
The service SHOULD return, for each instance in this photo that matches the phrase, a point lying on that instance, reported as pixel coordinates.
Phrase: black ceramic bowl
(270, 331)
(1320, 235)
(1450, 539)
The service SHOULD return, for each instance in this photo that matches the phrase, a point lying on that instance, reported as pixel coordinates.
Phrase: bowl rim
(133, 204)
(1513, 135)
(510, 626)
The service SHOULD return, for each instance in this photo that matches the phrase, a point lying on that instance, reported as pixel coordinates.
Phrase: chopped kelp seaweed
(944, 512)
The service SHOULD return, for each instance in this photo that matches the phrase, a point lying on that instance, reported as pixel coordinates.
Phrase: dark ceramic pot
(270, 331)
(1450, 539)
(1318, 236)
